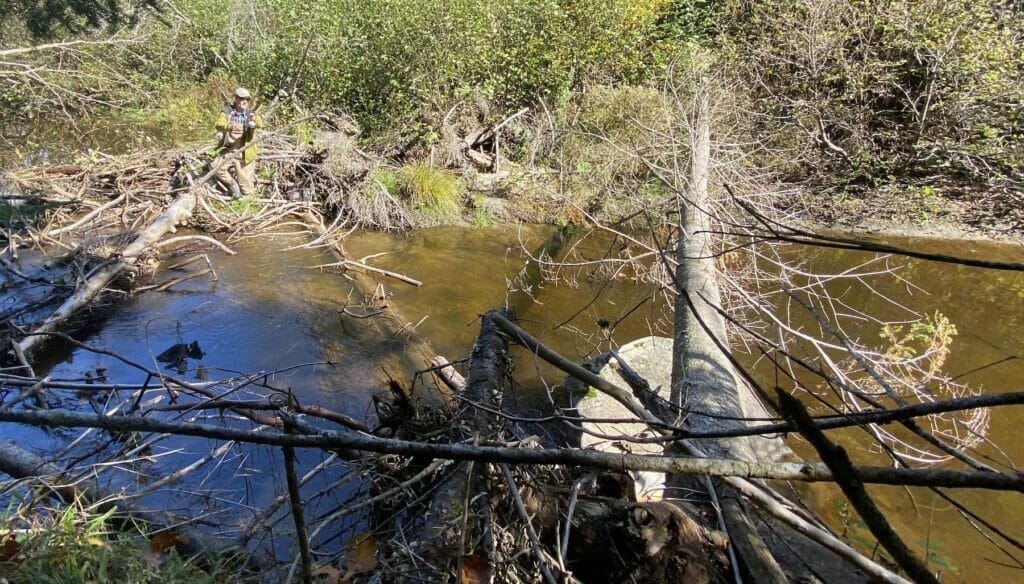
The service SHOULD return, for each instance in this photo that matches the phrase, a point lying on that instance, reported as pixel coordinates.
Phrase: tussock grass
(432, 191)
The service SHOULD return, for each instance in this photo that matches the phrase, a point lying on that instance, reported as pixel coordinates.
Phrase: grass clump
(76, 545)
(432, 191)
(245, 207)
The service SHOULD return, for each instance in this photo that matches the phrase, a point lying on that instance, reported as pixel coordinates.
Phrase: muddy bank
(919, 213)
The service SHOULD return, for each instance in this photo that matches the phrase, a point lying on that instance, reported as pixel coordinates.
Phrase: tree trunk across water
(175, 213)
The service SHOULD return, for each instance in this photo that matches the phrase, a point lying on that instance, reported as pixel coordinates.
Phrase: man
(237, 126)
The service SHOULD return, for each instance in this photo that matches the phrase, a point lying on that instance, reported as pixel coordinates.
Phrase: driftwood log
(175, 213)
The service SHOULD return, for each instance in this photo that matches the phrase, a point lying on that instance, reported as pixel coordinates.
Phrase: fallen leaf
(475, 570)
(360, 555)
(9, 550)
(166, 540)
(330, 574)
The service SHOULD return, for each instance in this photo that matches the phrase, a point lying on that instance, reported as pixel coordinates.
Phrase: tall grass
(432, 191)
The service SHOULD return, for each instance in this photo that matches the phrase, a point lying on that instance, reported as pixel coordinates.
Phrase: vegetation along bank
(698, 138)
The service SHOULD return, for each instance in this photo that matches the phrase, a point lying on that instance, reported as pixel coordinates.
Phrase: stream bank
(455, 264)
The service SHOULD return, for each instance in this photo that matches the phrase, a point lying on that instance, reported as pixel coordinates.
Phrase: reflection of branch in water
(235, 384)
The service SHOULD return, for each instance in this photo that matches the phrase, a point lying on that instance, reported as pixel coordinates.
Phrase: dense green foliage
(861, 93)
(869, 91)
(387, 62)
(24, 20)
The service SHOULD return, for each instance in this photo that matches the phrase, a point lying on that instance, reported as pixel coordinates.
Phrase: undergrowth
(74, 544)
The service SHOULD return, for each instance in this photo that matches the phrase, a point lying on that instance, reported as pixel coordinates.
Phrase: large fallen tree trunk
(457, 510)
(703, 378)
(175, 213)
(705, 382)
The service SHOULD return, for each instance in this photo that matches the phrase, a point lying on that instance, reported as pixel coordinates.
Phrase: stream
(272, 311)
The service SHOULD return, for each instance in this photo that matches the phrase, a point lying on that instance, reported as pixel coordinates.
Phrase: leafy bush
(871, 90)
(386, 62)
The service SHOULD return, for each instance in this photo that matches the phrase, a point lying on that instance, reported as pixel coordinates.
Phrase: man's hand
(234, 127)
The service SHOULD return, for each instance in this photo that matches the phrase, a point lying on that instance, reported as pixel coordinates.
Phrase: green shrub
(387, 62)
(74, 545)
(866, 90)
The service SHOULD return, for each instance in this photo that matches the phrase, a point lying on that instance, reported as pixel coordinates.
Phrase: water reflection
(270, 311)
(986, 307)
(464, 273)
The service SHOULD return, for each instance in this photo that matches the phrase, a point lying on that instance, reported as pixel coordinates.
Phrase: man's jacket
(246, 139)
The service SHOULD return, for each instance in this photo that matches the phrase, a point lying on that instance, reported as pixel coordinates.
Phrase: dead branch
(765, 500)
(362, 266)
(525, 518)
(210, 240)
(297, 515)
(543, 456)
(446, 373)
(838, 461)
(175, 213)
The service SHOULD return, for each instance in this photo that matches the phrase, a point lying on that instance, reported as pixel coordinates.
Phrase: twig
(179, 280)
(211, 240)
(361, 266)
(521, 509)
(563, 549)
(86, 218)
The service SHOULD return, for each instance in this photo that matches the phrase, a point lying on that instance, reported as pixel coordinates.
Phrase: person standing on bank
(237, 125)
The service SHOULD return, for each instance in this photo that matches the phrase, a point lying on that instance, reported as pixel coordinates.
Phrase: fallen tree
(543, 512)
(176, 213)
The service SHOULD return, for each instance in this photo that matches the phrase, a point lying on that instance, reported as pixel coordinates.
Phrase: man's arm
(222, 122)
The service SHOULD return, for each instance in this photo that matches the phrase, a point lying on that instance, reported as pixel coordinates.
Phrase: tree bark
(703, 379)
(450, 523)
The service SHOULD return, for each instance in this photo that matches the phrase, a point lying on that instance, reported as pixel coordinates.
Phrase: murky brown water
(987, 308)
(271, 311)
(464, 273)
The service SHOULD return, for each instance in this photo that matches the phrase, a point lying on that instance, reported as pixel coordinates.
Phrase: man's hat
(242, 93)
